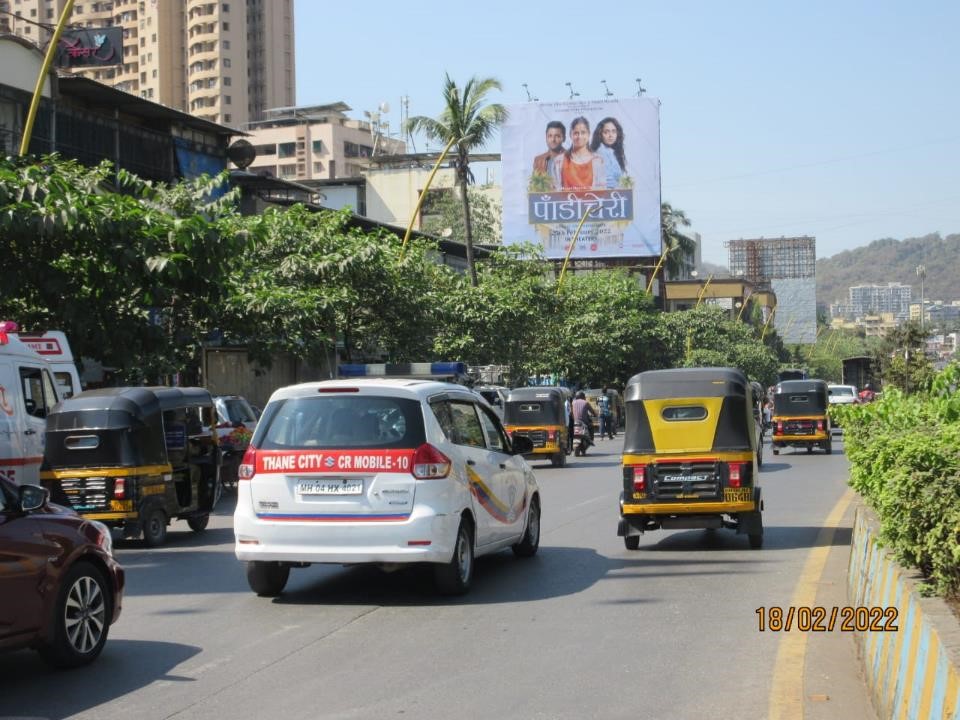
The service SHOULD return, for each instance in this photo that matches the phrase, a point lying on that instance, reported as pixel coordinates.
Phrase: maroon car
(60, 588)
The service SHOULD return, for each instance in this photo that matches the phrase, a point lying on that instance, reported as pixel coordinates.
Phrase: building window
(354, 150)
(226, 27)
(318, 167)
(154, 73)
(227, 117)
(227, 81)
(226, 7)
(226, 62)
(226, 44)
(318, 147)
(227, 99)
(269, 149)
(288, 171)
(286, 150)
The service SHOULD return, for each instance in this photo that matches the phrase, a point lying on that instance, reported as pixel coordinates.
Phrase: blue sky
(837, 120)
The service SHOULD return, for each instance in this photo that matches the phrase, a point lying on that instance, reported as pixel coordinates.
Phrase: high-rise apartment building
(226, 62)
(891, 298)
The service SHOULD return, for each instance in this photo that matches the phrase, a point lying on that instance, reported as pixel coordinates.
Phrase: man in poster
(556, 135)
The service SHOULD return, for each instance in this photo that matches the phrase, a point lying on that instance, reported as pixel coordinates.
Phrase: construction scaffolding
(761, 260)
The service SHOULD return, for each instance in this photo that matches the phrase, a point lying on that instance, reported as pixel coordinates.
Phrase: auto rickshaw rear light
(119, 488)
(429, 463)
(735, 474)
(552, 435)
(639, 478)
(819, 425)
(248, 466)
(779, 430)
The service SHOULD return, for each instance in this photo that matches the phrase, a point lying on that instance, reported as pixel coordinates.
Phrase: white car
(382, 471)
(842, 394)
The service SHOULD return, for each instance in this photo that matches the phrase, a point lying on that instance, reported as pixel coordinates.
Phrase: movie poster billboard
(566, 160)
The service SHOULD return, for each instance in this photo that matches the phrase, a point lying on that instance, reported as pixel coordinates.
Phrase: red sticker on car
(339, 461)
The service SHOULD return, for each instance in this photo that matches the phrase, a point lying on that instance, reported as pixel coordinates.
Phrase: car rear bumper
(421, 537)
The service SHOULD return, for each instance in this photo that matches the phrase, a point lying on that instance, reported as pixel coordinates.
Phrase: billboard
(599, 160)
(796, 315)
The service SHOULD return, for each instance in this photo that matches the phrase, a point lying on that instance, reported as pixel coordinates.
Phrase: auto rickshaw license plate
(330, 487)
(738, 494)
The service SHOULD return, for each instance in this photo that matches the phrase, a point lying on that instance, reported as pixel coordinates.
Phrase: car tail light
(248, 466)
(429, 463)
(119, 488)
(736, 470)
(639, 478)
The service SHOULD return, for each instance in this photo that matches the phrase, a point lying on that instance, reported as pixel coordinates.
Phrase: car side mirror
(521, 444)
(33, 497)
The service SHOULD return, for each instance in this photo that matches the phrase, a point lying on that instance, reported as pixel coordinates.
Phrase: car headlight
(106, 539)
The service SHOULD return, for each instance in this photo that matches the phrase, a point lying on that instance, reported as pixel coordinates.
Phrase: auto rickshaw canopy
(800, 397)
(688, 410)
(535, 406)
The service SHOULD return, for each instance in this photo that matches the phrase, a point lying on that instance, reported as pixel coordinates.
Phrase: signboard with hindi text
(90, 47)
(598, 159)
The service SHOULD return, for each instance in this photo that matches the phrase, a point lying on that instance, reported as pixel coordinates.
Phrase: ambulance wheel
(198, 523)
(454, 577)
(631, 542)
(267, 579)
(155, 527)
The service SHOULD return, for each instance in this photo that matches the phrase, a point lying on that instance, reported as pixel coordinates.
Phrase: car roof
(398, 387)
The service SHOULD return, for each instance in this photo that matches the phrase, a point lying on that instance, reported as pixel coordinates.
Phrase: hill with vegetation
(888, 260)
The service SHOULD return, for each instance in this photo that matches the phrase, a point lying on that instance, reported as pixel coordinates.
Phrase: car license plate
(333, 486)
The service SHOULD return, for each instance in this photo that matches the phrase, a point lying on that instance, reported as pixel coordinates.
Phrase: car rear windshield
(341, 421)
(841, 390)
(234, 410)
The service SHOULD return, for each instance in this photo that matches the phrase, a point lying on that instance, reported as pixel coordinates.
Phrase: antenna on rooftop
(530, 98)
(572, 93)
(404, 119)
(640, 88)
(607, 92)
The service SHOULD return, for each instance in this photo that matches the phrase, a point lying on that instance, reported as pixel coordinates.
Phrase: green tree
(904, 362)
(447, 212)
(677, 245)
(468, 123)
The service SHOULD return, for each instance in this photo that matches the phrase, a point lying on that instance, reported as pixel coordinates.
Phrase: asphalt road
(586, 629)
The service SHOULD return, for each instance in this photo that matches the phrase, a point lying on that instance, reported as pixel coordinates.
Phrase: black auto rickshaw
(800, 416)
(135, 458)
(539, 414)
(689, 454)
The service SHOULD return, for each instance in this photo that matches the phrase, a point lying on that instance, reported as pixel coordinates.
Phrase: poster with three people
(566, 160)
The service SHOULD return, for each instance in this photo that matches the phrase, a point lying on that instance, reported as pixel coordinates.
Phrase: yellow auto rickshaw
(689, 455)
(800, 416)
(539, 413)
(135, 458)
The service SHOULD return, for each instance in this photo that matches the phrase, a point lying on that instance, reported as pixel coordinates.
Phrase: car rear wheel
(528, 545)
(631, 542)
(267, 579)
(81, 620)
(454, 577)
(155, 528)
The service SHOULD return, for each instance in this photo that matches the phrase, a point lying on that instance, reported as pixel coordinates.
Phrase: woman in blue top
(607, 142)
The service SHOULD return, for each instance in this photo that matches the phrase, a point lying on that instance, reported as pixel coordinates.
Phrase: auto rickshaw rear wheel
(155, 527)
(756, 540)
(198, 523)
(631, 542)
(828, 446)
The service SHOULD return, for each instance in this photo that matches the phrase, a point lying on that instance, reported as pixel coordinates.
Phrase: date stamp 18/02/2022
(827, 619)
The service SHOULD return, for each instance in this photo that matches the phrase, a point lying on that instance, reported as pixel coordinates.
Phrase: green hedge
(905, 461)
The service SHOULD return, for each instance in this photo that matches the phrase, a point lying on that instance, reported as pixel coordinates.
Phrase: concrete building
(226, 62)
(318, 142)
(873, 299)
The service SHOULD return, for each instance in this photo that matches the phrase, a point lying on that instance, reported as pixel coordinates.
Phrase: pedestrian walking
(605, 406)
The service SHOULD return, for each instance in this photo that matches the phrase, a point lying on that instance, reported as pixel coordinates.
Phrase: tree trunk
(467, 225)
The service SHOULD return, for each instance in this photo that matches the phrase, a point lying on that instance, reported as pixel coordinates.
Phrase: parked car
(60, 586)
(382, 471)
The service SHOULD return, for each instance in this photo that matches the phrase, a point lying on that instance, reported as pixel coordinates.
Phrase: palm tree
(468, 123)
(676, 245)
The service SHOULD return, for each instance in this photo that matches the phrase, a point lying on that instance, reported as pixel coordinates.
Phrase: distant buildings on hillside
(877, 308)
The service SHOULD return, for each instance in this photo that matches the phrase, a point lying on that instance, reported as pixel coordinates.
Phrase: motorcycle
(581, 439)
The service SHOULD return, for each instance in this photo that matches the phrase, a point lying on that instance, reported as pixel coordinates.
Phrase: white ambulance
(53, 347)
(28, 391)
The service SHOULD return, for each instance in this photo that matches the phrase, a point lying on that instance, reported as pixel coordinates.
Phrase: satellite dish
(241, 153)
(384, 107)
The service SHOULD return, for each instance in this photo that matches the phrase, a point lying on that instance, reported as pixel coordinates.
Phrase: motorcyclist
(583, 413)
(867, 394)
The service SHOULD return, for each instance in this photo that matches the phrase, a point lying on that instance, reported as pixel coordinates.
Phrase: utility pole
(921, 273)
